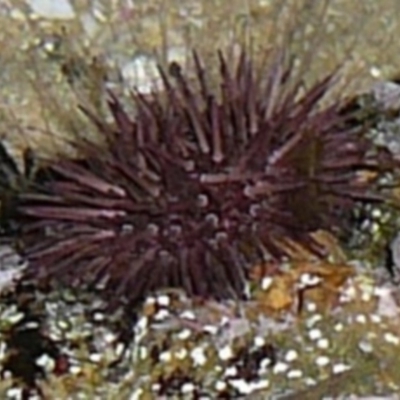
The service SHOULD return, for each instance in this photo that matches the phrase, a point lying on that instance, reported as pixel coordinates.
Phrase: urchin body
(199, 185)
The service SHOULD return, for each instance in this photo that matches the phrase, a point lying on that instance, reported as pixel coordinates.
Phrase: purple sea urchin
(199, 185)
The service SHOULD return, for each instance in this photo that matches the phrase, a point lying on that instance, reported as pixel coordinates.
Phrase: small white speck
(95, 357)
(310, 381)
(247, 289)
(119, 349)
(142, 323)
(280, 367)
(7, 374)
(313, 320)
(137, 394)
(230, 372)
(244, 387)
(198, 356)
(376, 213)
(348, 294)
(181, 354)
(375, 318)
(375, 72)
(224, 321)
(32, 325)
(109, 337)
(187, 387)
(35, 397)
(311, 307)
(338, 327)
(161, 315)
(98, 316)
(361, 319)
(225, 353)
(184, 334)
(365, 346)
(3, 349)
(291, 355)
(295, 374)
(150, 301)
(187, 314)
(46, 362)
(323, 343)
(75, 369)
(315, 334)
(266, 283)
(339, 368)
(13, 319)
(143, 352)
(259, 385)
(202, 200)
(220, 386)
(307, 280)
(163, 300)
(63, 325)
(265, 363)
(322, 361)
(14, 393)
(392, 339)
(259, 341)
(366, 296)
(156, 387)
(241, 386)
(211, 329)
(165, 356)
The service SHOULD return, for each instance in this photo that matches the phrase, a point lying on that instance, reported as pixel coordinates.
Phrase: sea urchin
(199, 184)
